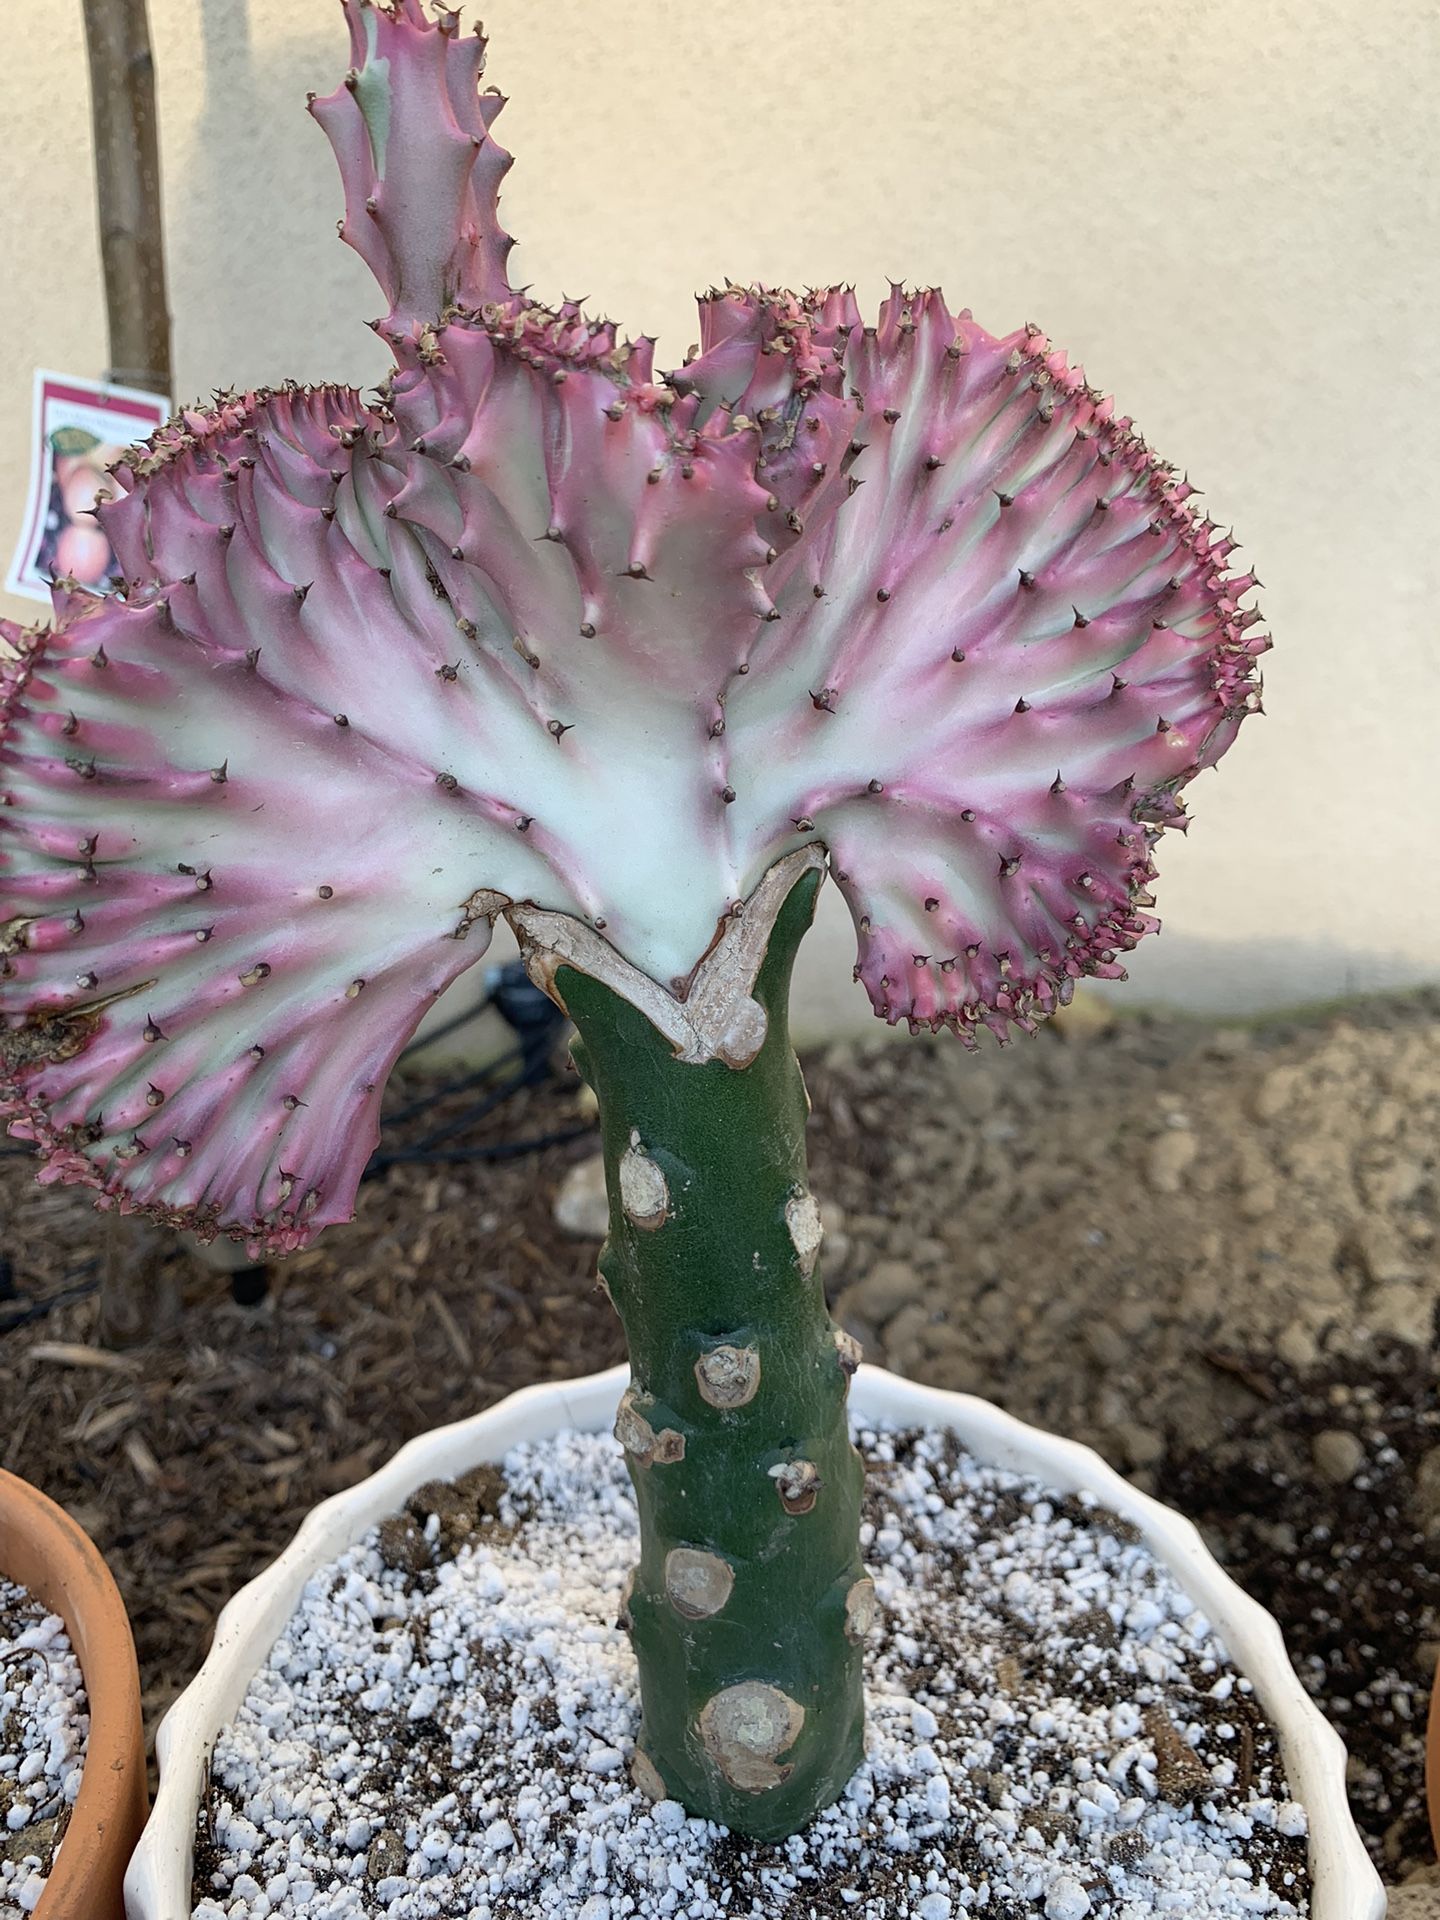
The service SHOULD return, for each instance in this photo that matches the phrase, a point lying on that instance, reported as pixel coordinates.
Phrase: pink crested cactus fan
(539, 631)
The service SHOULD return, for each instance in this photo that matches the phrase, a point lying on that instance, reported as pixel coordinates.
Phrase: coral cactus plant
(634, 660)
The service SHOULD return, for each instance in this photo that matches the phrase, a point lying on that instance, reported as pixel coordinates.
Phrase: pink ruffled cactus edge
(540, 621)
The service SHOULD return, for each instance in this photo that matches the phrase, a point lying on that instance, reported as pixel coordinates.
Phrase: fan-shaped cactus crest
(540, 625)
(631, 658)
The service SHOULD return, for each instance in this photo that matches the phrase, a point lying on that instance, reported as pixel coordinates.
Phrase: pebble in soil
(43, 1725)
(445, 1726)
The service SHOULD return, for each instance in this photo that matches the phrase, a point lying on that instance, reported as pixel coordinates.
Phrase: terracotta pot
(1346, 1886)
(43, 1550)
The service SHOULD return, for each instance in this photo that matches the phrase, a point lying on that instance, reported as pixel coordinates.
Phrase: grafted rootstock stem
(749, 1604)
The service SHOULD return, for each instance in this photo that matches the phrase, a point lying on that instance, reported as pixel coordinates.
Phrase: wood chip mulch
(192, 1458)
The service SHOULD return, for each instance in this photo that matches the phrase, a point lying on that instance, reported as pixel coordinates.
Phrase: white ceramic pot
(157, 1886)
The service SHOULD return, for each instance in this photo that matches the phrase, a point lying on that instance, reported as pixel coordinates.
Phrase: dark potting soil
(1051, 1724)
(1348, 1570)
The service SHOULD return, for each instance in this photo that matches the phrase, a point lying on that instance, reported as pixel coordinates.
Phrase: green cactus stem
(749, 1605)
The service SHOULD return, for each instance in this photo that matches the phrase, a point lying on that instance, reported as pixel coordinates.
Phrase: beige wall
(1228, 209)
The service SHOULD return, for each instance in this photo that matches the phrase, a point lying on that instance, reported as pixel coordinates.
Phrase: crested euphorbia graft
(631, 658)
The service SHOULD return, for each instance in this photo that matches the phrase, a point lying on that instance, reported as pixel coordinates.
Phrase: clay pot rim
(49, 1554)
(1346, 1886)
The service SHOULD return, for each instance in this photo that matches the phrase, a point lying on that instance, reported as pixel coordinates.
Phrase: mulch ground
(192, 1455)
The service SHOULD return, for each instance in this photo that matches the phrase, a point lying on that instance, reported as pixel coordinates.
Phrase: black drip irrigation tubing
(17, 1311)
(536, 1023)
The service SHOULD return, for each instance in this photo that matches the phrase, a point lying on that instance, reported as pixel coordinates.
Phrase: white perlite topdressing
(1054, 1731)
(43, 1725)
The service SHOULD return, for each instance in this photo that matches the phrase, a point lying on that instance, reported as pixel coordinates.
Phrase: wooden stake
(127, 178)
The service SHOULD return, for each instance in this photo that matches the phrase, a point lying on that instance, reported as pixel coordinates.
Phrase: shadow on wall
(1187, 972)
(243, 251)
(1195, 974)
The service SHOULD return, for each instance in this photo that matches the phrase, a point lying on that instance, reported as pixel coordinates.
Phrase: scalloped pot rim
(157, 1886)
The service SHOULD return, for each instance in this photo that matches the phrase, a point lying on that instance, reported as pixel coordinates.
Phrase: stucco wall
(1227, 210)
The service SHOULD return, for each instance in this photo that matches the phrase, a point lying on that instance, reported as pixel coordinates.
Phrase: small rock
(1181, 1774)
(1382, 1256)
(1107, 1346)
(1066, 1899)
(1387, 1119)
(1408, 1312)
(881, 1293)
(1275, 1092)
(1339, 1455)
(386, 1857)
(1297, 1347)
(1170, 1155)
(1009, 1675)
(582, 1206)
(1280, 1535)
(1140, 1446)
(1259, 1197)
